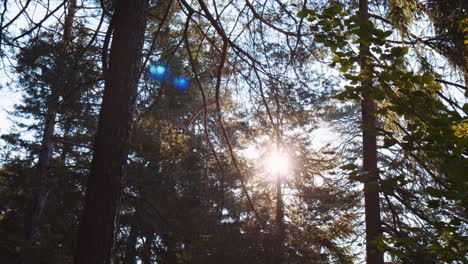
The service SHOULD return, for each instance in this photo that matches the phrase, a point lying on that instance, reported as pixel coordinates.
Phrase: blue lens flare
(157, 71)
(181, 83)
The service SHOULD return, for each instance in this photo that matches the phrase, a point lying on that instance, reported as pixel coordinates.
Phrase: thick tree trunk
(36, 205)
(99, 222)
(369, 131)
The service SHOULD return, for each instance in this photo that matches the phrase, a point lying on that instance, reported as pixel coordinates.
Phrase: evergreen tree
(199, 84)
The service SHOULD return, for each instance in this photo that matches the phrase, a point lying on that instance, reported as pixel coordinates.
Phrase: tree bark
(371, 186)
(99, 222)
(37, 203)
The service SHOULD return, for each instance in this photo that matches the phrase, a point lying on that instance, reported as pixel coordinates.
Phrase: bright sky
(7, 101)
(320, 137)
(8, 96)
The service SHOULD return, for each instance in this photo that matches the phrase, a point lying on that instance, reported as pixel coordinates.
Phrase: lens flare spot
(181, 83)
(157, 71)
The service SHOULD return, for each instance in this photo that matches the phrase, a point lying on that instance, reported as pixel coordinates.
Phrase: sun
(270, 161)
(277, 162)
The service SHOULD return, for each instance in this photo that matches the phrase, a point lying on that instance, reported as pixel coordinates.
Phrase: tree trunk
(280, 232)
(371, 185)
(40, 192)
(66, 147)
(36, 205)
(99, 222)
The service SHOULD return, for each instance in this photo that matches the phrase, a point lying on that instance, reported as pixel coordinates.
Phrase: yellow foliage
(461, 129)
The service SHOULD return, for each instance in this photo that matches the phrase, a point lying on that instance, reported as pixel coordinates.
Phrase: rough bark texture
(98, 224)
(371, 186)
(37, 203)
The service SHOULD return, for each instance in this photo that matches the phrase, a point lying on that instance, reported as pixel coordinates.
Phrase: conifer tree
(36, 206)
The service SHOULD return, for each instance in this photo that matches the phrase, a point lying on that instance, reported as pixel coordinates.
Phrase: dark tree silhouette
(37, 203)
(99, 222)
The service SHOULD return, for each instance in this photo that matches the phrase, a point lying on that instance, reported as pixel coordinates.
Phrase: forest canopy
(233, 131)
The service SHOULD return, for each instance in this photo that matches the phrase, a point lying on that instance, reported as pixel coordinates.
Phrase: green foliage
(183, 199)
(427, 129)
